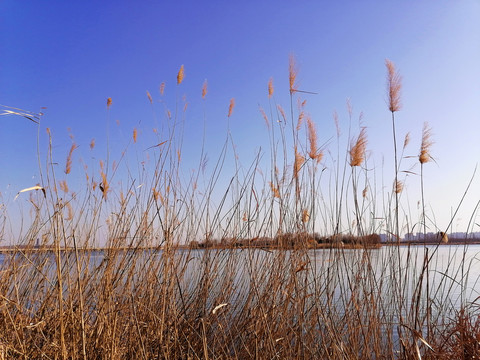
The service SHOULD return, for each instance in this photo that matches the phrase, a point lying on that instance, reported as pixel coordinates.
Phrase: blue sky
(71, 56)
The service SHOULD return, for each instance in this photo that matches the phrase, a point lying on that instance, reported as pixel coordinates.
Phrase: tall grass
(149, 293)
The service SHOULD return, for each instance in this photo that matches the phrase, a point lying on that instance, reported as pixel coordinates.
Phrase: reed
(151, 260)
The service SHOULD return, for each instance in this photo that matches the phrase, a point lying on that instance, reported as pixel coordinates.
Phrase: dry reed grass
(142, 295)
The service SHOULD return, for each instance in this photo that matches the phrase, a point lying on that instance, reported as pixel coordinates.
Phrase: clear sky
(71, 56)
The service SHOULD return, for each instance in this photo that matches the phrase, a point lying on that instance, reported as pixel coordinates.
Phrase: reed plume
(68, 166)
(292, 74)
(231, 106)
(265, 117)
(180, 75)
(270, 88)
(394, 85)
(162, 88)
(134, 136)
(109, 102)
(282, 112)
(314, 153)
(300, 120)
(275, 191)
(92, 144)
(398, 187)
(297, 165)
(406, 141)
(149, 97)
(204, 89)
(64, 186)
(104, 186)
(305, 216)
(427, 142)
(365, 192)
(357, 150)
(337, 124)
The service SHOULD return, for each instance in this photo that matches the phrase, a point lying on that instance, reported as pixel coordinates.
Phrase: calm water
(453, 271)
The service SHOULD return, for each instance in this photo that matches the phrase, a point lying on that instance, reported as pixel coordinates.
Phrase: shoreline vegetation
(171, 283)
(281, 242)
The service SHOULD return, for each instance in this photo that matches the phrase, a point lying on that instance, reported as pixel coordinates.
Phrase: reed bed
(109, 271)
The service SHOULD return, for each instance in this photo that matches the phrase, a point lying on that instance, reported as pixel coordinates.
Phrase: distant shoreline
(30, 249)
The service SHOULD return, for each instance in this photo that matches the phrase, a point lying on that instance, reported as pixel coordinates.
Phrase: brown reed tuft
(265, 117)
(231, 106)
(92, 144)
(149, 97)
(314, 153)
(180, 75)
(109, 102)
(300, 120)
(63, 186)
(275, 191)
(204, 89)
(427, 143)
(305, 216)
(406, 141)
(337, 124)
(162, 88)
(398, 187)
(365, 192)
(104, 186)
(282, 112)
(70, 211)
(297, 165)
(135, 133)
(68, 166)
(270, 88)
(394, 85)
(357, 150)
(292, 74)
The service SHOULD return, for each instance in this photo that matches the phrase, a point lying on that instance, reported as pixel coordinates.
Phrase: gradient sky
(71, 56)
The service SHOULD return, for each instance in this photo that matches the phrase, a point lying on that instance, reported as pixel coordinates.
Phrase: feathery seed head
(231, 106)
(135, 135)
(427, 143)
(292, 74)
(314, 154)
(357, 150)
(398, 187)
(204, 89)
(180, 75)
(162, 88)
(282, 112)
(337, 124)
(297, 165)
(394, 85)
(270, 88)
(68, 166)
(109, 102)
(275, 191)
(305, 216)
(406, 141)
(364, 192)
(265, 117)
(149, 97)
